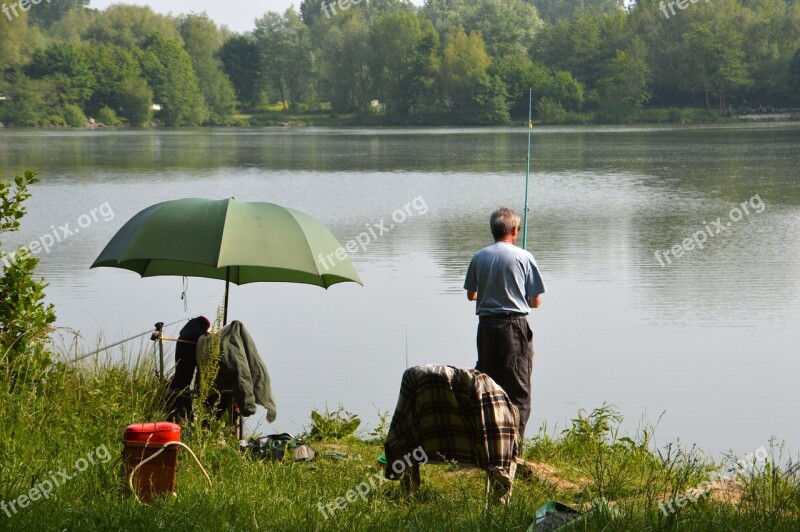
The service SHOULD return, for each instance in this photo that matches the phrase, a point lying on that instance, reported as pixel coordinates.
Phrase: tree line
(448, 61)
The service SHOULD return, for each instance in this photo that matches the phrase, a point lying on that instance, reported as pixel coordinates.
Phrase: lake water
(710, 339)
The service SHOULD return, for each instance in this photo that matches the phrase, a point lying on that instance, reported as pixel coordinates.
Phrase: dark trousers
(505, 353)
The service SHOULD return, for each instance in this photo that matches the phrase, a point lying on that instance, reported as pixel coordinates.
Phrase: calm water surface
(710, 339)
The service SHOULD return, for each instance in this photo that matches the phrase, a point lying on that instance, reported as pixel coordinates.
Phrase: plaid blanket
(453, 414)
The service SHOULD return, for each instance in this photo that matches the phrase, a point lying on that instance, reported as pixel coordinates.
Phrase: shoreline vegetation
(392, 63)
(653, 116)
(56, 417)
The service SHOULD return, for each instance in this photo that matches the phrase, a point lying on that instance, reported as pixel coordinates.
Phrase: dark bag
(277, 446)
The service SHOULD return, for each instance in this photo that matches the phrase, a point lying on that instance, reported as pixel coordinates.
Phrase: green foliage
(344, 70)
(284, 45)
(108, 117)
(67, 67)
(404, 61)
(627, 87)
(73, 116)
(15, 37)
(554, 10)
(616, 64)
(130, 26)
(168, 70)
(115, 70)
(470, 91)
(26, 104)
(503, 24)
(203, 40)
(135, 100)
(238, 55)
(549, 111)
(794, 76)
(25, 320)
(46, 13)
(336, 425)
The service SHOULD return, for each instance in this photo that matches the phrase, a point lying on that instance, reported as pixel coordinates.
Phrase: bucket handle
(163, 448)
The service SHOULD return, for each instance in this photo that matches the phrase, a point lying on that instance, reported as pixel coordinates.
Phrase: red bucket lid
(160, 432)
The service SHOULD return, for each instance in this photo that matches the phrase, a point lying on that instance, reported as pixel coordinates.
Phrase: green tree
(135, 102)
(15, 37)
(771, 35)
(627, 86)
(583, 46)
(403, 58)
(74, 26)
(520, 74)
(203, 40)
(26, 105)
(112, 66)
(25, 320)
(468, 89)
(46, 13)
(68, 68)
(554, 10)
(344, 67)
(131, 26)
(714, 61)
(500, 22)
(240, 60)
(284, 44)
(794, 77)
(168, 70)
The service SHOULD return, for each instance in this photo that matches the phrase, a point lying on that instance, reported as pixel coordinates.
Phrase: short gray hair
(503, 222)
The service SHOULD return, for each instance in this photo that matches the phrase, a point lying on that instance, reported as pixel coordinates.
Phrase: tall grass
(70, 411)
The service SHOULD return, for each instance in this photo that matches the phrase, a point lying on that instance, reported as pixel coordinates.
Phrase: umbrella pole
(227, 287)
(224, 323)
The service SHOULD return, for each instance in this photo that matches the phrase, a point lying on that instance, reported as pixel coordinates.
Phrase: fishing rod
(527, 171)
(150, 332)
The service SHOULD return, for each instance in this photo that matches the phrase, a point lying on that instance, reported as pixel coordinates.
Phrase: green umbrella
(227, 239)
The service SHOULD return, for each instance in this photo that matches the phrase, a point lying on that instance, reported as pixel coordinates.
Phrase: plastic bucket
(142, 441)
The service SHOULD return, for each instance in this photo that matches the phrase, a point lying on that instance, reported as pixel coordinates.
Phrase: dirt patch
(331, 447)
(549, 475)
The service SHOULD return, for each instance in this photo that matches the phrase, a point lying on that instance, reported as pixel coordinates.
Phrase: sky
(238, 15)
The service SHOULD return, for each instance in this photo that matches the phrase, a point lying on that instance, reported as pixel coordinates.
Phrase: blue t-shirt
(505, 277)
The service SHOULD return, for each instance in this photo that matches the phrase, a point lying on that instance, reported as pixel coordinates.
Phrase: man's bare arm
(535, 301)
(472, 296)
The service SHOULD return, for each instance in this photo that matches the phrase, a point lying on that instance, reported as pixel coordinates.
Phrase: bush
(108, 117)
(55, 121)
(73, 116)
(550, 111)
(25, 320)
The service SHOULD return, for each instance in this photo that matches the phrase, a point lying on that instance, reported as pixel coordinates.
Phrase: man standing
(505, 282)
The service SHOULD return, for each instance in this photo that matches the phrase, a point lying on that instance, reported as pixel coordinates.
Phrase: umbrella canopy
(227, 239)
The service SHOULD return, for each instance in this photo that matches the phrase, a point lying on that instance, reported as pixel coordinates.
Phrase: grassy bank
(50, 425)
(70, 413)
